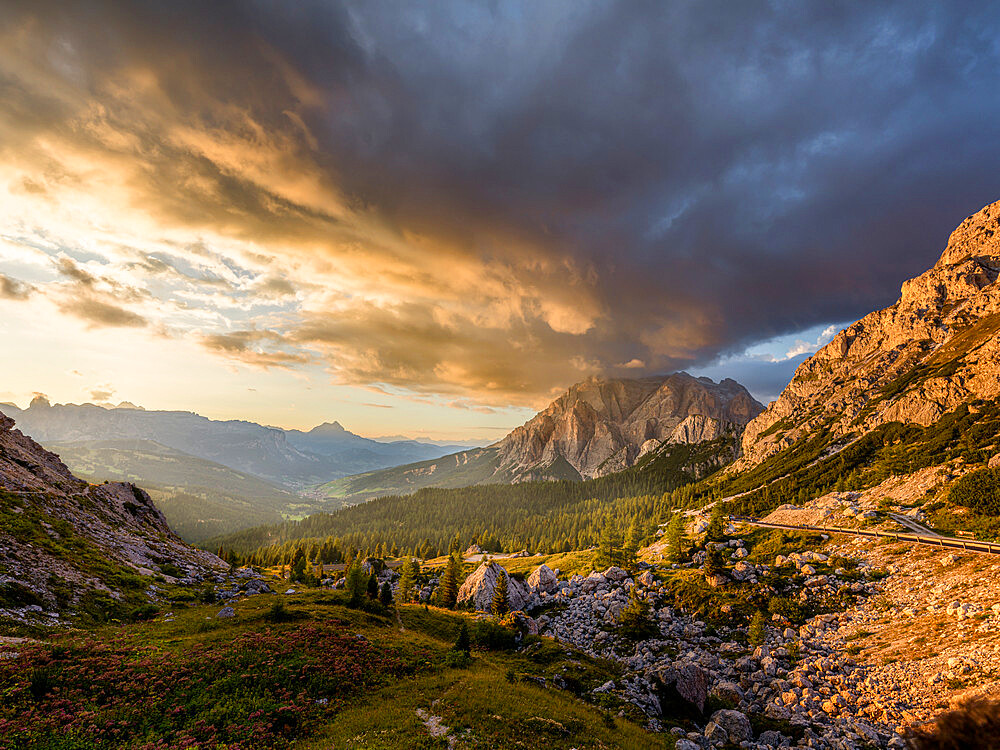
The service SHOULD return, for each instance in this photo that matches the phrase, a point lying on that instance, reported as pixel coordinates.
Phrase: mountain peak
(601, 424)
(933, 350)
(977, 236)
(328, 428)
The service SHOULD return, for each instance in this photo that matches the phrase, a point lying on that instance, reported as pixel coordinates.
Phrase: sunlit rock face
(933, 350)
(599, 426)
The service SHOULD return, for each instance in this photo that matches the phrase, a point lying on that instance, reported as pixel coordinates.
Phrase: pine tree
(385, 594)
(447, 592)
(500, 604)
(406, 582)
(462, 642)
(456, 545)
(298, 565)
(609, 549)
(356, 582)
(716, 530)
(633, 543)
(676, 542)
(634, 621)
(372, 587)
(713, 563)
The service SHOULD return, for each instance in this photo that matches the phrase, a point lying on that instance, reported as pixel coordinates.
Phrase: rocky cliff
(934, 349)
(600, 426)
(67, 545)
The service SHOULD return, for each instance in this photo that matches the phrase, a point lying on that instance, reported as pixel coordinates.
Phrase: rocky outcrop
(61, 537)
(936, 348)
(599, 426)
(478, 588)
(543, 578)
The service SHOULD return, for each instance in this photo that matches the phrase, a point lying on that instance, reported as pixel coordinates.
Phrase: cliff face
(62, 539)
(600, 426)
(933, 350)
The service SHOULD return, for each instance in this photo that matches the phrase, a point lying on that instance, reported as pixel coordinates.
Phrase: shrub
(979, 491)
(462, 642)
(974, 724)
(143, 612)
(758, 629)
(489, 635)
(634, 622)
(13, 594)
(169, 569)
(279, 613)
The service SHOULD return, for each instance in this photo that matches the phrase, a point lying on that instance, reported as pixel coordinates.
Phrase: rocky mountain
(291, 458)
(935, 349)
(69, 546)
(598, 427)
(602, 426)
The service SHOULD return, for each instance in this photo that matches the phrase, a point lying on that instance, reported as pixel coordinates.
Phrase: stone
(773, 739)
(478, 588)
(226, 613)
(727, 691)
(689, 681)
(734, 723)
(647, 579)
(543, 578)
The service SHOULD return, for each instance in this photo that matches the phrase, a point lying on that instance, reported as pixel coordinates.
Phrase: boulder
(543, 579)
(688, 681)
(474, 549)
(743, 571)
(735, 724)
(225, 613)
(727, 691)
(614, 573)
(771, 738)
(647, 579)
(479, 586)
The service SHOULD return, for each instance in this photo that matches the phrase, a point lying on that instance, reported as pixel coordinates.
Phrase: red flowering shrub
(258, 690)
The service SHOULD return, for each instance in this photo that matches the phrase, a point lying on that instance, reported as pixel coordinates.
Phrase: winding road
(923, 535)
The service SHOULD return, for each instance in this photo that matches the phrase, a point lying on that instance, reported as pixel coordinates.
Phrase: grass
(300, 670)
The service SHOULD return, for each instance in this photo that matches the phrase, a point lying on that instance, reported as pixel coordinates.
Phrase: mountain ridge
(935, 348)
(597, 427)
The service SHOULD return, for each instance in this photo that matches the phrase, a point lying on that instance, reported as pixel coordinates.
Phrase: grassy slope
(228, 667)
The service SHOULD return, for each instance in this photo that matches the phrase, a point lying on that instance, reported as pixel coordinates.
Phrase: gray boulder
(478, 588)
(735, 724)
(225, 613)
(688, 680)
(543, 579)
(772, 738)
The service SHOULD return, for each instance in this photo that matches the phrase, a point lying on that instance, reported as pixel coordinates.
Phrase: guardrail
(966, 545)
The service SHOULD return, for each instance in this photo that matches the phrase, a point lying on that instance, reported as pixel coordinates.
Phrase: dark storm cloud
(646, 181)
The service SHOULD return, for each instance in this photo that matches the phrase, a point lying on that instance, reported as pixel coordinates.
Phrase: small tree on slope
(501, 603)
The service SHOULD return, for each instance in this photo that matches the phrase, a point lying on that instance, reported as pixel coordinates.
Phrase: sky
(431, 218)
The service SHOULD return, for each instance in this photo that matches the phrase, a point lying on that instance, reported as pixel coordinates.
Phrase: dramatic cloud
(486, 203)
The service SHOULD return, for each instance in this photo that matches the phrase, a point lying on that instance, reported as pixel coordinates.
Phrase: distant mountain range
(291, 458)
(596, 428)
(210, 477)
